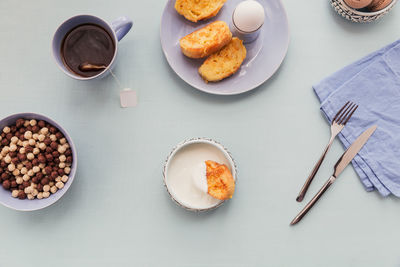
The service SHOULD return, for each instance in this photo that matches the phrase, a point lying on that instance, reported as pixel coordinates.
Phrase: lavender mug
(118, 29)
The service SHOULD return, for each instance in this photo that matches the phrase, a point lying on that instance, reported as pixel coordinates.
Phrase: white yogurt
(186, 175)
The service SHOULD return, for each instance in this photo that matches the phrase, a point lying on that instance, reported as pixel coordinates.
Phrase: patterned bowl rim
(198, 140)
(355, 11)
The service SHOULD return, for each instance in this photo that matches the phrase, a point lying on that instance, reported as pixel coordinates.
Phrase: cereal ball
(21, 195)
(62, 158)
(19, 180)
(36, 169)
(44, 131)
(41, 124)
(61, 149)
(24, 170)
(28, 190)
(13, 147)
(15, 172)
(35, 136)
(46, 188)
(42, 146)
(53, 138)
(30, 196)
(11, 167)
(14, 193)
(59, 185)
(28, 135)
(46, 194)
(30, 172)
(14, 140)
(35, 192)
(44, 182)
(21, 157)
(6, 130)
(63, 141)
(6, 184)
(36, 151)
(32, 122)
(64, 178)
(32, 142)
(61, 165)
(39, 195)
(53, 189)
(30, 156)
(41, 137)
(7, 159)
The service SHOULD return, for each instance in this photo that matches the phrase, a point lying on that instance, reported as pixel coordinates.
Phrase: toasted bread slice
(221, 184)
(195, 10)
(225, 62)
(207, 40)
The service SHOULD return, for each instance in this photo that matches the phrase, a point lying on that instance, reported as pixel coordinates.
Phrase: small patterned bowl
(357, 15)
(224, 152)
(35, 204)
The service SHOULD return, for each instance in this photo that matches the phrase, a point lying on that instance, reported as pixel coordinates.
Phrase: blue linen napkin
(372, 82)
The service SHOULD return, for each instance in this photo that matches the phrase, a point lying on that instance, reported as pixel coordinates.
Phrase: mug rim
(70, 73)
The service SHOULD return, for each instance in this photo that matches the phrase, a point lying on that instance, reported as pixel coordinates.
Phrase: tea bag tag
(128, 98)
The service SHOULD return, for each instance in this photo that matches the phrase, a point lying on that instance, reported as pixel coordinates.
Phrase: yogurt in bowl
(185, 172)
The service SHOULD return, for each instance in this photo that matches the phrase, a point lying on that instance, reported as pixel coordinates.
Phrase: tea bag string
(116, 79)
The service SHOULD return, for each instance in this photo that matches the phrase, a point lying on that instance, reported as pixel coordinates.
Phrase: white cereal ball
(22, 150)
(35, 136)
(30, 196)
(20, 166)
(13, 147)
(63, 141)
(61, 149)
(58, 179)
(28, 190)
(30, 172)
(46, 194)
(7, 159)
(64, 179)
(14, 193)
(36, 169)
(46, 188)
(19, 180)
(51, 184)
(32, 122)
(41, 137)
(42, 146)
(36, 151)
(60, 185)
(53, 189)
(39, 195)
(14, 139)
(6, 130)
(31, 142)
(62, 158)
(25, 143)
(44, 131)
(26, 177)
(26, 123)
(11, 167)
(53, 137)
(24, 170)
(28, 135)
(30, 156)
(61, 165)
(35, 192)
(15, 172)
(67, 170)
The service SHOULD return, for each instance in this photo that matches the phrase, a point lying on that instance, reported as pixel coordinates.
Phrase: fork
(338, 123)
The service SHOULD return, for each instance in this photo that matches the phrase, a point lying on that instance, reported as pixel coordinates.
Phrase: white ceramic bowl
(35, 204)
(226, 154)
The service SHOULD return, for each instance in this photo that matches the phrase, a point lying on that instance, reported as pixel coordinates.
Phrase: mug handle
(121, 26)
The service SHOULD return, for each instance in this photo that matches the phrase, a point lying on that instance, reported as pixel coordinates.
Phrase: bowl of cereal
(37, 161)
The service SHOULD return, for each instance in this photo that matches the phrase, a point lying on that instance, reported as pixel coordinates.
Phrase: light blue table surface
(117, 212)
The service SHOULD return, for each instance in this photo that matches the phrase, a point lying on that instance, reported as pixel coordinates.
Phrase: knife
(344, 160)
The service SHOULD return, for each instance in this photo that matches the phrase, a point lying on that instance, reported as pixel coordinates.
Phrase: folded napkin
(374, 84)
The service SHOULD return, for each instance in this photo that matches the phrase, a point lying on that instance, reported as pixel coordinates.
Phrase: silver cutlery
(344, 160)
(338, 122)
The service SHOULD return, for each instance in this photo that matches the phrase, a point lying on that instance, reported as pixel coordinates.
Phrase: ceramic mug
(118, 29)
